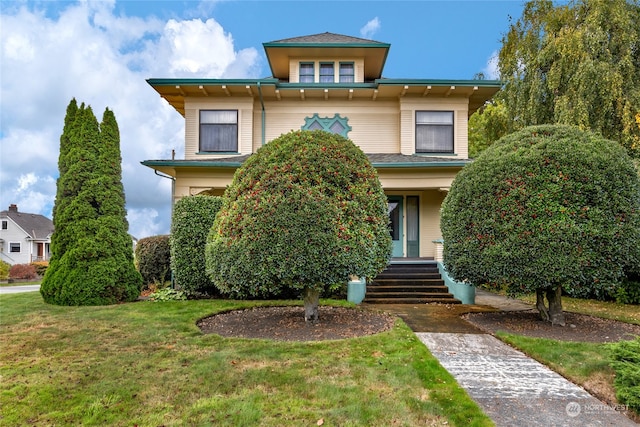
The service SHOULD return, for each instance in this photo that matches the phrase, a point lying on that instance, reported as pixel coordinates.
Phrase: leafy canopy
(544, 207)
(304, 212)
(576, 64)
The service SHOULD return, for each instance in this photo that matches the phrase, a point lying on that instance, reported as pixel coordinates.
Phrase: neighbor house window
(218, 131)
(434, 131)
(307, 72)
(347, 75)
(14, 247)
(4, 225)
(326, 72)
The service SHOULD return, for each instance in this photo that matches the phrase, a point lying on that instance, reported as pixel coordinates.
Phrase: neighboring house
(414, 131)
(24, 237)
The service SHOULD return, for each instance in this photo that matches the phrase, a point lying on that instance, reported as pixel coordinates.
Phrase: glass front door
(395, 204)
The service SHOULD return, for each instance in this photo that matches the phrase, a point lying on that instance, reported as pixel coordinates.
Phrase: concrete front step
(409, 283)
(408, 275)
(407, 288)
(445, 300)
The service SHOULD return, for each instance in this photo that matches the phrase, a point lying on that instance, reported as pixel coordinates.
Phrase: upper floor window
(5, 225)
(307, 72)
(326, 72)
(434, 131)
(218, 130)
(347, 74)
(14, 247)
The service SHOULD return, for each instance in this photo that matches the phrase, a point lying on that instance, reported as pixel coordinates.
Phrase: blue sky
(102, 51)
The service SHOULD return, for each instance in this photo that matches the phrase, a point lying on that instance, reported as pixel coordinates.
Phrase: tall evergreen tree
(92, 256)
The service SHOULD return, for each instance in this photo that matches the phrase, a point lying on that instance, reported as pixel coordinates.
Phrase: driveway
(17, 289)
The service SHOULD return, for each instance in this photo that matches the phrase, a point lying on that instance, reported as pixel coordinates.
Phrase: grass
(586, 364)
(147, 364)
(627, 313)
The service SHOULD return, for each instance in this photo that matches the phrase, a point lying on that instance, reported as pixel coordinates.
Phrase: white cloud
(370, 28)
(86, 51)
(491, 71)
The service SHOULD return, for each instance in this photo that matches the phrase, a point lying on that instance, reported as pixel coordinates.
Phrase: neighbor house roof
(36, 226)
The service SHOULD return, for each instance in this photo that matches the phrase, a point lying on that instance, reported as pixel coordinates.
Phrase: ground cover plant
(147, 363)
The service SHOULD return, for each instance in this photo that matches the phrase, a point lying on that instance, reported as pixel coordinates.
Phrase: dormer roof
(326, 45)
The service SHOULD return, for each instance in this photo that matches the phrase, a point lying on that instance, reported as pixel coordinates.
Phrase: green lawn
(586, 364)
(147, 364)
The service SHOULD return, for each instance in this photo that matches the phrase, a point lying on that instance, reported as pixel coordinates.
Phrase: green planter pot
(356, 289)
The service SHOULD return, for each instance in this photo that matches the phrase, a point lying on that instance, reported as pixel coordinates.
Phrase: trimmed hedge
(192, 219)
(304, 212)
(544, 207)
(153, 259)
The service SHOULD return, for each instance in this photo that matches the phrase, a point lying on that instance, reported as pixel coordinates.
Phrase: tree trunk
(553, 313)
(540, 305)
(311, 301)
(555, 306)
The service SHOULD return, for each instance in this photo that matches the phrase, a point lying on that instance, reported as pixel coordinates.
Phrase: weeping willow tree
(576, 64)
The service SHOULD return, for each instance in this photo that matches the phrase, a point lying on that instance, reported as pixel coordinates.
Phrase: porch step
(409, 283)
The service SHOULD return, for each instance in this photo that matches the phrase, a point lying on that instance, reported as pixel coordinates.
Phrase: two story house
(414, 131)
(24, 237)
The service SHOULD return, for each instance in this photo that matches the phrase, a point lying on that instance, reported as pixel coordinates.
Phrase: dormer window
(347, 74)
(307, 72)
(326, 72)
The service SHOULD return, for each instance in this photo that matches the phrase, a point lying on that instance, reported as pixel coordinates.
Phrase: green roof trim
(439, 82)
(197, 82)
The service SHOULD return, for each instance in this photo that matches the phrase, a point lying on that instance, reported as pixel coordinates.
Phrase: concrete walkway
(18, 289)
(511, 388)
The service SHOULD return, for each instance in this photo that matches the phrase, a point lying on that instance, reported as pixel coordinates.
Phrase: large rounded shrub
(305, 212)
(546, 209)
(192, 219)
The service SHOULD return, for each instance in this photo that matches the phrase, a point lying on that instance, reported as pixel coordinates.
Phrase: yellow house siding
(435, 178)
(374, 124)
(190, 133)
(430, 203)
(190, 182)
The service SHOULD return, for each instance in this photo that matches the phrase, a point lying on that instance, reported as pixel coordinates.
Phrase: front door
(395, 226)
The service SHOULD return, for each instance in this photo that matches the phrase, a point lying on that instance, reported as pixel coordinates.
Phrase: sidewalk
(511, 388)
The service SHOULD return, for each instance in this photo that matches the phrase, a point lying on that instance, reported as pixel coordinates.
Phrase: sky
(101, 52)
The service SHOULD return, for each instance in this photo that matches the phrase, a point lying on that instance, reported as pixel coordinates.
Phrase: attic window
(326, 72)
(336, 124)
(347, 74)
(307, 72)
(5, 225)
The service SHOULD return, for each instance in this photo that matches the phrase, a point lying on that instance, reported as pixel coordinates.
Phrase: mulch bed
(287, 323)
(579, 327)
